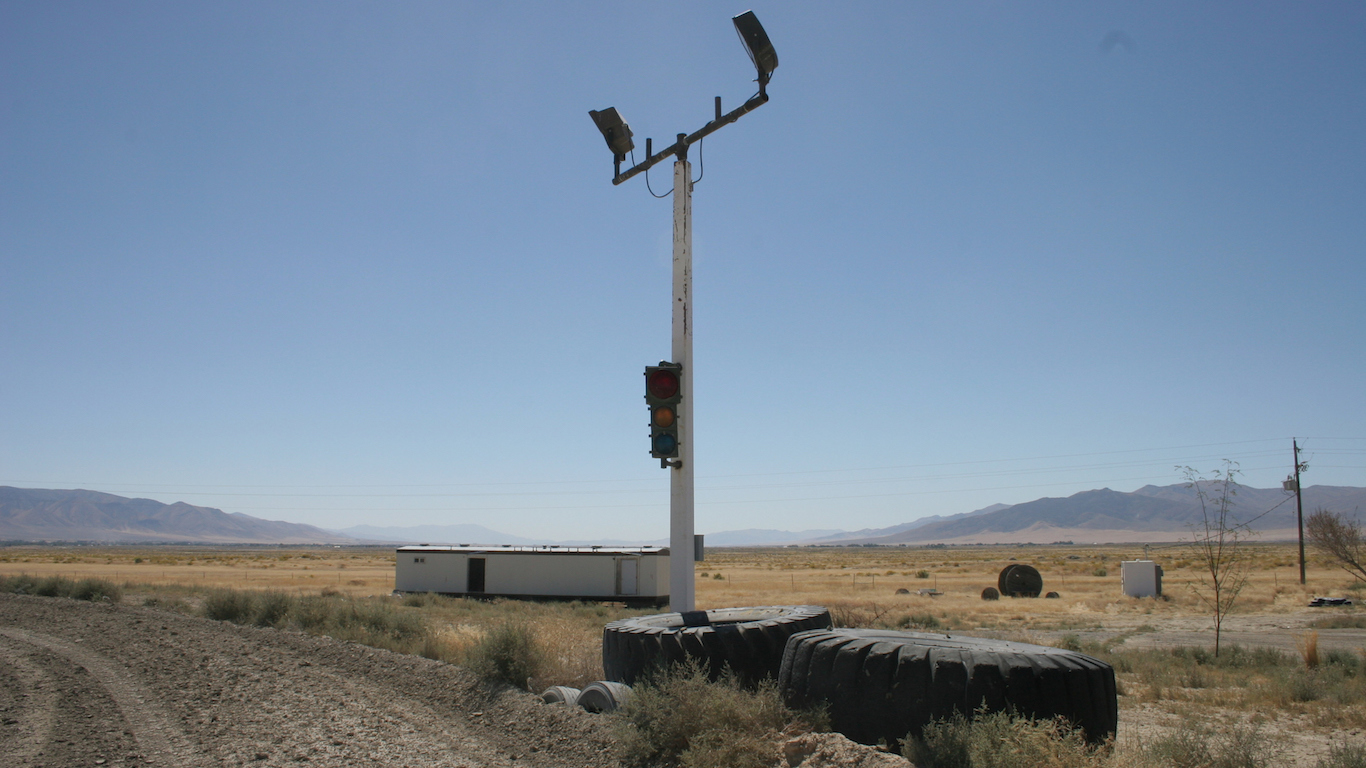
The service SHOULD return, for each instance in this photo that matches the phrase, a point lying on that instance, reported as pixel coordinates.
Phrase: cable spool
(1020, 580)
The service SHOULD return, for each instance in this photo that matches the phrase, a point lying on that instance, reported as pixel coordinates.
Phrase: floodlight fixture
(756, 42)
(614, 130)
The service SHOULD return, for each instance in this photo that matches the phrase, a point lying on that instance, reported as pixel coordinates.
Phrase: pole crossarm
(680, 148)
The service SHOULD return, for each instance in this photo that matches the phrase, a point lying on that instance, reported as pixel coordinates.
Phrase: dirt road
(85, 684)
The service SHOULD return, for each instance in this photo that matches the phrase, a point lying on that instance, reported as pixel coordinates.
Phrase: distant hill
(433, 534)
(764, 537)
(33, 514)
(1151, 513)
(872, 534)
(469, 533)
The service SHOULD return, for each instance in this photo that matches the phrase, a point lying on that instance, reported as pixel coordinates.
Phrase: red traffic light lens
(662, 384)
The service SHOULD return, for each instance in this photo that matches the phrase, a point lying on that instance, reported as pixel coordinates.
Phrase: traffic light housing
(663, 392)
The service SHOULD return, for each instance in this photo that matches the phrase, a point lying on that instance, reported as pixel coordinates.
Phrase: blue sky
(344, 263)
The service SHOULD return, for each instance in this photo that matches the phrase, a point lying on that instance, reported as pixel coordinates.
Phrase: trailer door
(627, 568)
(475, 579)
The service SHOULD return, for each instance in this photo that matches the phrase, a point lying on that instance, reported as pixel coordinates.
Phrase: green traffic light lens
(666, 444)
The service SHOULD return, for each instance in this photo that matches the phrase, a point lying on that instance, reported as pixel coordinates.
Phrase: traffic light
(663, 391)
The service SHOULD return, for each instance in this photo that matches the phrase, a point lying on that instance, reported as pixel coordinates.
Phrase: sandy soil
(91, 684)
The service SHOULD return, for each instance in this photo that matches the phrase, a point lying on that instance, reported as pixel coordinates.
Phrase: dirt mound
(84, 684)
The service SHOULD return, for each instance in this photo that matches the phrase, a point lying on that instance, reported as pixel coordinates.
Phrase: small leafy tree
(1218, 539)
(1340, 539)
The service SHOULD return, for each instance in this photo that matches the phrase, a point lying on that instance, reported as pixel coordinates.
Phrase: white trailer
(636, 575)
(1140, 578)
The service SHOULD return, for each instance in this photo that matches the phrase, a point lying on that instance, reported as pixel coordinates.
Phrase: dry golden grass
(861, 581)
(351, 571)
(865, 580)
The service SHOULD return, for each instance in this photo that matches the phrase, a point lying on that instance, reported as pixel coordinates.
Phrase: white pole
(681, 596)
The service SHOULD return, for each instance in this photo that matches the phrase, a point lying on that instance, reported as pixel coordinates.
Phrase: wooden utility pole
(1299, 505)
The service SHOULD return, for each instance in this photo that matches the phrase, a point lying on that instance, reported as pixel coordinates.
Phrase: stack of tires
(884, 685)
(749, 642)
(876, 685)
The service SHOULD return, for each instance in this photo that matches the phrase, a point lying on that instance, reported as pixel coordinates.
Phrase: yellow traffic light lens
(663, 416)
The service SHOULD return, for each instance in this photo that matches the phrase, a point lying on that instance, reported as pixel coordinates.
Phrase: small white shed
(1140, 578)
(637, 575)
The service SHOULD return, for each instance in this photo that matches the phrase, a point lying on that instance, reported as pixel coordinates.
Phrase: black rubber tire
(561, 694)
(903, 591)
(1020, 580)
(604, 696)
(747, 641)
(880, 684)
(1052, 596)
(991, 593)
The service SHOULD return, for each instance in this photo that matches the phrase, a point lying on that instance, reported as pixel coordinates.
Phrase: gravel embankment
(112, 685)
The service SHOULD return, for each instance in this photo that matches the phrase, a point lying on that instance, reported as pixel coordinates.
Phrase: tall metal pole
(1299, 505)
(681, 586)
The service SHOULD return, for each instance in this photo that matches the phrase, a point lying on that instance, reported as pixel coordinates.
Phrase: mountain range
(1149, 514)
(34, 514)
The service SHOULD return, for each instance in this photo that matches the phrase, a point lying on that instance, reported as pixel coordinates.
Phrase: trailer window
(419, 559)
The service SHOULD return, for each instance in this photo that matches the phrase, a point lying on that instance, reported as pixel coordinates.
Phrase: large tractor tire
(747, 641)
(879, 684)
(1020, 580)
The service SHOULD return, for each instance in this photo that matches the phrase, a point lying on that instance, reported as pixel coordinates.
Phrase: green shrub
(1001, 740)
(1239, 657)
(376, 622)
(1342, 621)
(680, 718)
(942, 744)
(313, 614)
(1100, 572)
(53, 586)
(922, 574)
(270, 609)
(507, 654)
(1345, 756)
(167, 603)
(1196, 746)
(420, 599)
(919, 621)
(1348, 661)
(22, 584)
(229, 605)
(1069, 643)
(94, 590)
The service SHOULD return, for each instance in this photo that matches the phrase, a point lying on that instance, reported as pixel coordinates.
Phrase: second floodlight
(756, 42)
(614, 130)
